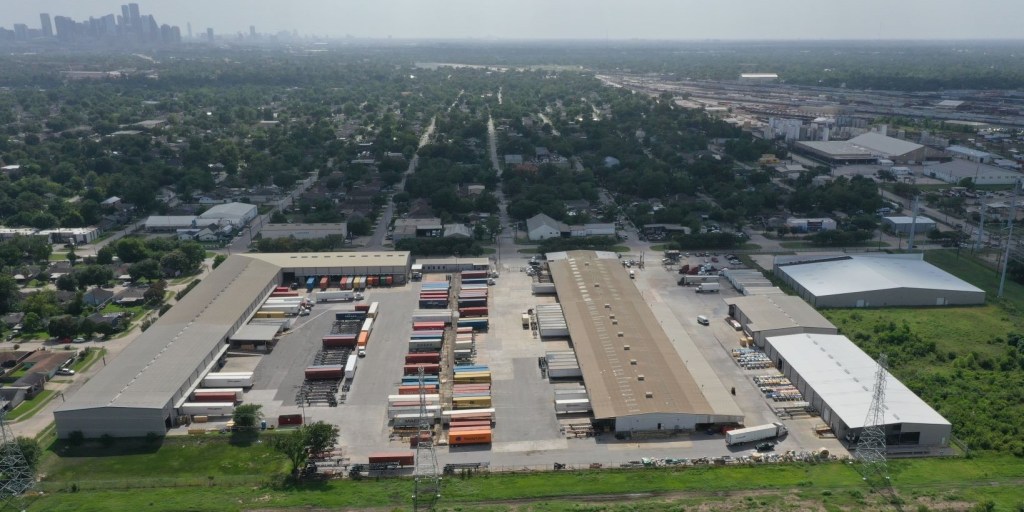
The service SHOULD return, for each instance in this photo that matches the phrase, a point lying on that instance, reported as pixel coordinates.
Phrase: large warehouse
(762, 316)
(139, 391)
(980, 174)
(864, 148)
(837, 378)
(633, 373)
(874, 280)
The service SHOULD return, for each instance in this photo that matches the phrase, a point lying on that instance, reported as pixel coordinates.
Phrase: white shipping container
(433, 411)
(367, 325)
(350, 366)
(289, 309)
(227, 381)
(335, 295)
(372, 312)
(207, 408)
(430, 399)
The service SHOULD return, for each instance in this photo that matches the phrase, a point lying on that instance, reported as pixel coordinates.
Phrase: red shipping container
(431, 389)
(282, 289)
(215, 397)
(401, 458)
(429, 369)
(331, 372)
(289, 419)
(423, 357)
(338, 341)
(472, 312)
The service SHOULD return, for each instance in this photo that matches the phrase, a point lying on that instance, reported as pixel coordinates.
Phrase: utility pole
(913, 222)
(427, 480)
(18, 476)
(1009, 238)
(871, 445)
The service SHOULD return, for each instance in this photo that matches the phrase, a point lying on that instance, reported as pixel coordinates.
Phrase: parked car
(79, 340)
(65, 371)
(765, 446)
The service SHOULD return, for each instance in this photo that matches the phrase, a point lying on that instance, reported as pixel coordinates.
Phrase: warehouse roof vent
(649, 394)
(640, 377)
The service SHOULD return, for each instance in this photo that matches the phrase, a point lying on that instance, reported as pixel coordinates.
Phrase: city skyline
(570, 19)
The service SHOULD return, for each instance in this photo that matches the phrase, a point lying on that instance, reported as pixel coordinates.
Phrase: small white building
(804, 225)
(71, 235)
(901, 224)
(542, 227)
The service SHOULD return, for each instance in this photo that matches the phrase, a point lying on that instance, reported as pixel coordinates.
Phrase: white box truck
(708, 288)
(756, 433)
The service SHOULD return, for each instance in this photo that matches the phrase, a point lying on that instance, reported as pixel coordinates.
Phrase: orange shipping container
(482, 436)
(363, 338)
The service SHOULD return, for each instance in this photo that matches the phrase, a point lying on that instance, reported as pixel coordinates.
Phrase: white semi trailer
(756, 433)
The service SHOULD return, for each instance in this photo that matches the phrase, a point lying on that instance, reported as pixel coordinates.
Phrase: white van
(703, 320)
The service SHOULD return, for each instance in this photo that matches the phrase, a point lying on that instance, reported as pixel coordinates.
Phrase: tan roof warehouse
(634, 375)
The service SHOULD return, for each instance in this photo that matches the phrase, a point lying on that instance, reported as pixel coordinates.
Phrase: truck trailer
(756, 433)
(336, 295)
(708, 288)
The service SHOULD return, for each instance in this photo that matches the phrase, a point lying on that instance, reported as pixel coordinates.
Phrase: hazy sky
(569, 19)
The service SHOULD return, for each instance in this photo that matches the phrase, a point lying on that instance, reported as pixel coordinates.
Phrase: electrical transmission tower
(16, 475)
(871, 446)
(427, 487)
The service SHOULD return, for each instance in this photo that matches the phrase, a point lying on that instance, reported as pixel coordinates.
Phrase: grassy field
(966, 362)
(976, 272)
(28, 408)
(212, 474)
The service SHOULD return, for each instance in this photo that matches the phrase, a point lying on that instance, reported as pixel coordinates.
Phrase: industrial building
(450, 265)
(865, 148)
(921, 225)
(764, 315)
(874, 280)
(305, 231)
(635, 377)
(143, 389)
(236, 214)
(957, 170)
(173, 223)
(836, 378)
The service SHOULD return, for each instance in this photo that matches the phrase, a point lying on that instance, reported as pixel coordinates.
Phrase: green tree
(31, 450)
(131, 250)
(247, 416)
(313, 438)
(64, 326)
(67, 282)
(218, 259)
(291, 445)
(72, 257)
(94, 275)
(145, 269)
(8, 293)
(105, 256)
(175, 263)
